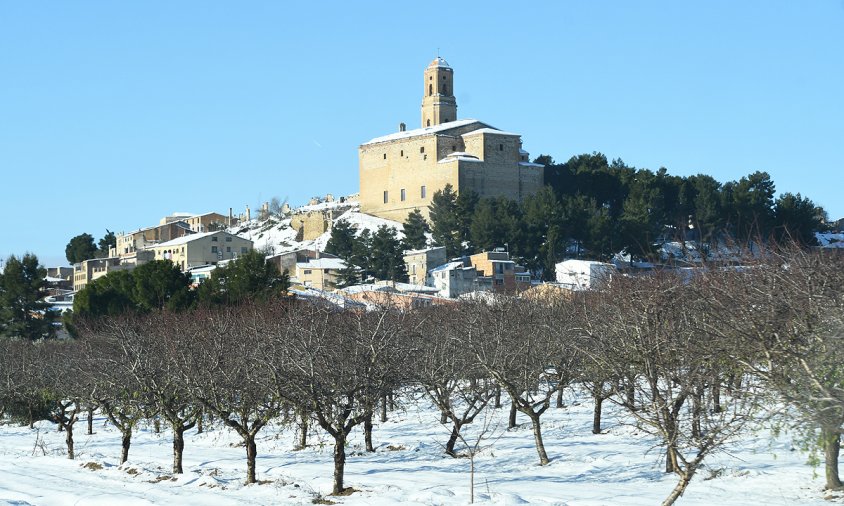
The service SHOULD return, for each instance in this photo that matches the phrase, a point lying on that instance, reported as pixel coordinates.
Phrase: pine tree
(22, 312)
(80, 248)
(387, 260)
(445, 224)
(348, 276)
(415, 227)
(107, 242)
(342, 240)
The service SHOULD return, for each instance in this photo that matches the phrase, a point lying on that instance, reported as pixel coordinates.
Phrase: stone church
(401, 171)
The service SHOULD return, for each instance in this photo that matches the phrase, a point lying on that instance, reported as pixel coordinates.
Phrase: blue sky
(114, 114)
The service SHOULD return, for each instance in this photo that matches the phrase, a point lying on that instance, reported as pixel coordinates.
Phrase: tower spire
(438, 102)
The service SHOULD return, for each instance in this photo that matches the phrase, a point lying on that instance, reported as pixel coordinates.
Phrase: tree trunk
(251, 455)
(90, 421)
(367, 433)
(157, 424)
(303, 430)
(125, 442)
(537, 436)
(675, 494)
(697, 406)
(443, 417)
(392, 399)
(178, 447)
(560, 395)
(831, 450)
(383, 408)
(497, 396)
(716, 396)
(69, 440)
(455, 432)
(596, 415)
(199, 425)
(512, 421)
(630, 390)
(472, 478)
(339, 461)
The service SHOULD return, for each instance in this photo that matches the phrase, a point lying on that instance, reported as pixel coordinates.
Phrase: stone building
(401, 172)
(206, 248)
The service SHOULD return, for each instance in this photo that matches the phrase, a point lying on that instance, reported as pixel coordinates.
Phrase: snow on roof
(423, 250)
(583, 263)
(185, 239)
(366, 287)
(439, 62)
(494, 131)
(463, 157)
(410, 287)
(530, 164)
(323, 263)
(450, 266)
(422, 131)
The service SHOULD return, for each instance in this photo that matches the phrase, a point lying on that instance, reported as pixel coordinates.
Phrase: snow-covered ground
(618, 467)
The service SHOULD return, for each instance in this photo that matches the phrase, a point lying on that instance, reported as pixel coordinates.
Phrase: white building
(454, 279)
(584, 274)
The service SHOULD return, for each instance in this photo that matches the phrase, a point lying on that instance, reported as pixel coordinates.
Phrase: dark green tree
(362, 255)
(342, 240)
(22, 312)
(387, 260)
(750, 206)
(445, 222)
(110, 295)
(465, 203)
(495, 223)
(249, 277)
(108, 241)
(797, 219)
(348, 276)
(160, 284)
(415, 227)
(80, 248)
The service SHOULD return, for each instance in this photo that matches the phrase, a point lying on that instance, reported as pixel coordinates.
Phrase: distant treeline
(595, 208)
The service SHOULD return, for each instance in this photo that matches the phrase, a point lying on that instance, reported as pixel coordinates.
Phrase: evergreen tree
(445, 223)
(415, 227)
(387, 260)
(22, 312)
(160, 284)
(111, 295)
(465, 204)
(797, 219)
(750, 206)
(342, 240)
(362, 255)
(80, 248)
(108, 241)
(249, 277)
(348, 276)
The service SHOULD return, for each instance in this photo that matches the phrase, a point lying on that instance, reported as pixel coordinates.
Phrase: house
(209, 222)
(129, 244)
(584, 274)
(288, 260)
(418, 263)
(504, 274)
(86, 271)
(207, 248)
(400, 172)
(455, 278)
(319, 273)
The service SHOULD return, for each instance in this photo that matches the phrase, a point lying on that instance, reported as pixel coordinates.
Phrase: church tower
(438, 102)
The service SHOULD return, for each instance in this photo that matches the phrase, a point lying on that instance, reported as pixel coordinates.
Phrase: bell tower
(438, 102)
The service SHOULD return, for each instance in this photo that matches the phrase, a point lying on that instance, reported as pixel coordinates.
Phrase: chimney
(248, 214)
(402, 127)
(230, 217)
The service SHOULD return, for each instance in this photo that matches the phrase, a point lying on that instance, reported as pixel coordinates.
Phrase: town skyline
(124, 114)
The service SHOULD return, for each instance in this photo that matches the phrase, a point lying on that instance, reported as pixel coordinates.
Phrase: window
(422, 148)
(430, 89)
(429, 122)
(385, 156)
(386, 197)
(499, 282)
(423, 191)
(445, 89)
(403, 195)
(214, 239)
(228, 249)
(401, 153)
(454, 148)
(306, 271)
(228, 239)
(213, 249)
(501, 147)
(243, 249)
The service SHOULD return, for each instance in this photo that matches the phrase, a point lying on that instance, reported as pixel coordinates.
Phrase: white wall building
(584, 274)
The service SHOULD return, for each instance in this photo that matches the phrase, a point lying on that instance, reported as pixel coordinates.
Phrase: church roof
(424, 131)
(489, 131)
(439, 62)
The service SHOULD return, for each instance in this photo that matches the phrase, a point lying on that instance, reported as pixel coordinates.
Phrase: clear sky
(115, 114)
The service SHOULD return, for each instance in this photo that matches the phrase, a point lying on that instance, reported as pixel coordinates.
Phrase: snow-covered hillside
(275, 235)
(618, 467)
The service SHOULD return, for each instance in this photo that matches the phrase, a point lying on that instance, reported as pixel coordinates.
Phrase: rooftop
(439, 62)
(416, 132)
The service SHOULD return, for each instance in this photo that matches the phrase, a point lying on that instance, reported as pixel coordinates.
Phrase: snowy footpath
(619, 467)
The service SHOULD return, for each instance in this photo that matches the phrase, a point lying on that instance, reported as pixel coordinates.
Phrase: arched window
(430, 89)
(429, 123)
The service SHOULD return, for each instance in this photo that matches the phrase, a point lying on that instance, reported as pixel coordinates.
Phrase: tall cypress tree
(445, 225)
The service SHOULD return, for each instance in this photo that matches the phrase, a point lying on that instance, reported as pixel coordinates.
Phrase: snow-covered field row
(619, 467)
